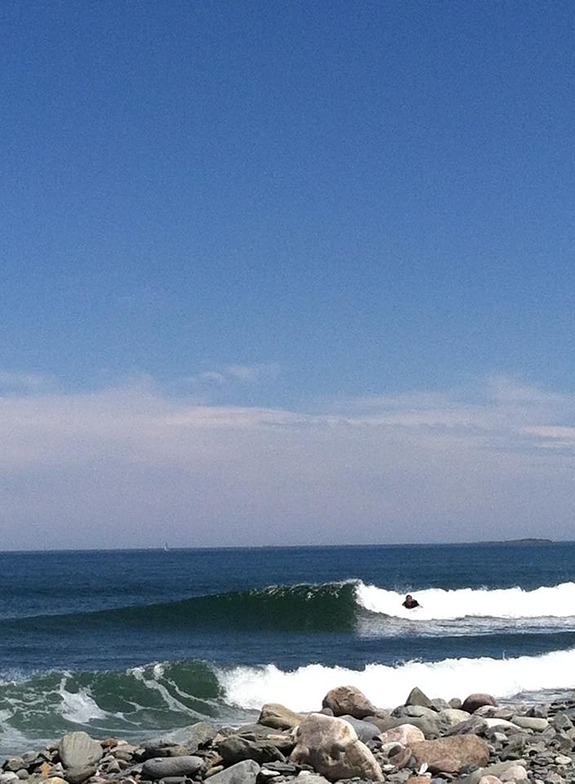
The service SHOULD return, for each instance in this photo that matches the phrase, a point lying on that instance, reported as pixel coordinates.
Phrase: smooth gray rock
(245, 772)
(365, 730)
(164, 767)
(237, 748)
(79, 750)
(531, 723)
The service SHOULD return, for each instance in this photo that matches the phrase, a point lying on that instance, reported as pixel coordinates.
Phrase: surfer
(410, 602)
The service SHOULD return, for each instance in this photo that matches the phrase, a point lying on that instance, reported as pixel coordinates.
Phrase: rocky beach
(424, 741)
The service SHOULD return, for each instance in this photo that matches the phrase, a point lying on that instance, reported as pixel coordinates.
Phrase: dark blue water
(218, 631)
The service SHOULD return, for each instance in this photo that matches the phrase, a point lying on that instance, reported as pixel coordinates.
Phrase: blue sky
(281, 273)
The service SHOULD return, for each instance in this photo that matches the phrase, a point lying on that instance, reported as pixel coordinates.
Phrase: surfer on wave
(410, 602)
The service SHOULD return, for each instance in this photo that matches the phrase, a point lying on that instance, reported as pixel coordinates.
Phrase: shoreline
(348, 737)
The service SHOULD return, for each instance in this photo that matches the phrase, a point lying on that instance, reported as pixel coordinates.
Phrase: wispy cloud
(234, 374)
(131, 466)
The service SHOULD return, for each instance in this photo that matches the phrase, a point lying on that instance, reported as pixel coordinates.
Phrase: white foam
(79, 707)
(439, 604)
(303, 689)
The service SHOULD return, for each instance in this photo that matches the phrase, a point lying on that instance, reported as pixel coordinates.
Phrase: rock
(531, 723)
(188, 739)
(350, 700)
(417, 697)
(237, 748)
(452, 754)
(307, 777)
(474, 701)
(245, 772)
(79, 750)
(450, 717)
(514, 774)
(332, 748)
(365, 730)
(489, 780)
(13, 764)
(406, 734)
(8, 777)
(279, 717)
(163, 767)
(80, 774)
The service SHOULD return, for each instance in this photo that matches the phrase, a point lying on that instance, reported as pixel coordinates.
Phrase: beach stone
(13, 764)
(474, 701)
(452, 754)
(237, 748)
(307, 777)
(365, 730)
(497, 769)
(406, 734)
(417, 697)
(164, 767)
(348, 700)
(79, 750)
(514, 773)
(278, 717)
(245, 772)
(332, 748)
(78, 775)
(562, 722)
(531, 723)
(489, 780)
(189, 739)
(450, 717)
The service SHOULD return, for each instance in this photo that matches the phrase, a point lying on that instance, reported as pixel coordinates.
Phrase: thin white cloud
(231, 375)
(132, 466)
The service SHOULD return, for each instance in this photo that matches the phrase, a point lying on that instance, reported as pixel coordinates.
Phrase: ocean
(139, 642)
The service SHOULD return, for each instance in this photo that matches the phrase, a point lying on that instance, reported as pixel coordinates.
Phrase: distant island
(530, 540)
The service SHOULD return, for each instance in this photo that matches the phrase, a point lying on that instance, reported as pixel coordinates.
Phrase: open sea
(136, 643)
